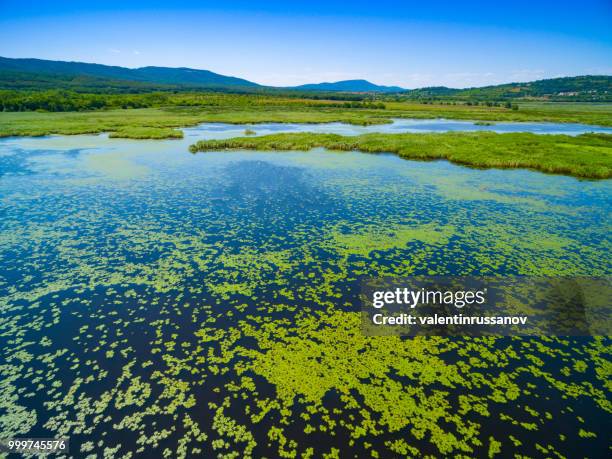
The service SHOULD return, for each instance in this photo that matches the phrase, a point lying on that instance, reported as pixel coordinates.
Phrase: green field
(188, 110)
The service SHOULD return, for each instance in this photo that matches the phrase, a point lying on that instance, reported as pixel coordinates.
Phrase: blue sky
(410, 44)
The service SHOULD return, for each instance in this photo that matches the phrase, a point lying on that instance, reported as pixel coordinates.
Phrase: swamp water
(173, 304)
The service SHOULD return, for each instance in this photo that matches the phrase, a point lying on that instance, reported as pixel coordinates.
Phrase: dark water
(160, 302)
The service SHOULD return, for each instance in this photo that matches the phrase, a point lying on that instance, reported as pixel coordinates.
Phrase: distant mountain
(45, 74)
(348, 86)
(152, 75)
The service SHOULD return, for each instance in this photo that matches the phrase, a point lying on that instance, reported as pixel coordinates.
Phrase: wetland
(167, 304)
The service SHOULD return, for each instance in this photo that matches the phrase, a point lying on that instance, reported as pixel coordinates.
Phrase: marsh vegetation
(180, 110)
(587, 155)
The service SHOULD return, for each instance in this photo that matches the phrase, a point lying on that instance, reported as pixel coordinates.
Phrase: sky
(284, 43)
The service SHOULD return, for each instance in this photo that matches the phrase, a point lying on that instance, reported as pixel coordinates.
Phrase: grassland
(587, 155)
(584, 113)
(158, 122)
(125, 123)
(147, 133)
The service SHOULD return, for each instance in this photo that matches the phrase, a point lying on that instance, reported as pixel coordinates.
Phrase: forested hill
(32, 74)
(585, 88)
(84, 74)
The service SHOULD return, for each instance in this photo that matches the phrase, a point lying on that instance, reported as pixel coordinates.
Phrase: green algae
(380, 239)
(115, 166)
(210, 309)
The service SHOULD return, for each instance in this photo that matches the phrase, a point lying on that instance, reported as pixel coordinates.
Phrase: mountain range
(158, 75)
(348, 86)
(182, 76)
(40, 74)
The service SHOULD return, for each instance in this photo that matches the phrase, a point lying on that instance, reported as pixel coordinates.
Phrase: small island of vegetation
(587, 155)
